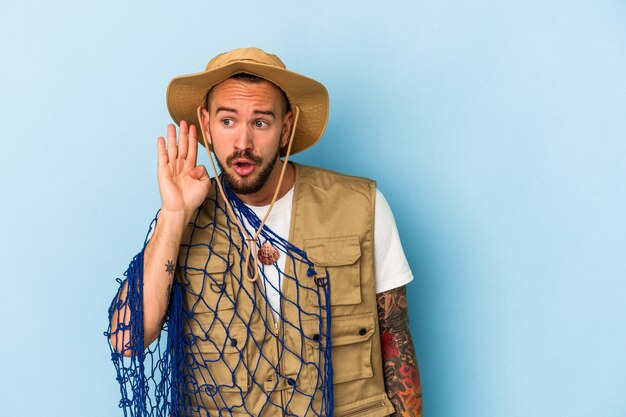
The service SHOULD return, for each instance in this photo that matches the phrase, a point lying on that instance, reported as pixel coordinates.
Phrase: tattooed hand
(402, 380)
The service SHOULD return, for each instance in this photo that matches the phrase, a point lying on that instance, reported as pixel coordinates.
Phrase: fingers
(161, 152)
(199, 173)
(172, 148)
(185, 148)
(192, 150)
(204, 177)
(183, 140)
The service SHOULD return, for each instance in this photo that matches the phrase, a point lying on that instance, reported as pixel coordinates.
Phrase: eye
(260, 124)
(227, 122)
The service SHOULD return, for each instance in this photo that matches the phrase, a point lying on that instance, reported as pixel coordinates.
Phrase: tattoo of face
(169, 267)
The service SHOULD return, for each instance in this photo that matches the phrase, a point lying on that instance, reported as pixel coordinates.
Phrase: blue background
(494, 128)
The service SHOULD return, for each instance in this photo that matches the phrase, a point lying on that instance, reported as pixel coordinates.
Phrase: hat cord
(250, 240)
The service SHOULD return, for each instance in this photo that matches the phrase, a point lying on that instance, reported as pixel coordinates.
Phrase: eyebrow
(266, 112)
(231, 110)
(228, 109)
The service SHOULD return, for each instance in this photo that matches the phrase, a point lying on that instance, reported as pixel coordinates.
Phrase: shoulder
(328, 178)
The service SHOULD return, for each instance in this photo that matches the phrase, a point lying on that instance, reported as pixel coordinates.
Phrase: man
(281, 285)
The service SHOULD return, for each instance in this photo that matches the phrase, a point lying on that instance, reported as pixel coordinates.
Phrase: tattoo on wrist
(169, 267)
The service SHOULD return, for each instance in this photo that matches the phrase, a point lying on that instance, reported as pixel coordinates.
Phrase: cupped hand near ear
(183, 184)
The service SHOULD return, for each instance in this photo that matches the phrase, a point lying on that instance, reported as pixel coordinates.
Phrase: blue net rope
(218, 353)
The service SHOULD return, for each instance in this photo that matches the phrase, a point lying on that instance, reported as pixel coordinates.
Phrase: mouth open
(243, 167)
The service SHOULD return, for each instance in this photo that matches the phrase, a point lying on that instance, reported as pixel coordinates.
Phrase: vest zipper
(363, 409)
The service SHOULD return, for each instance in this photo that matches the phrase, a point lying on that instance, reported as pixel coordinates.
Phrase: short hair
(252, 79)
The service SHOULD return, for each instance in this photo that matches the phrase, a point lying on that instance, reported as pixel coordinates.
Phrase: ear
(286, 130)
(204, 124)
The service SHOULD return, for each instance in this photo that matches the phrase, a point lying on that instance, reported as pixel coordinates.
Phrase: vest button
(362, 332)
(316, 337)
(233, 342)
(291, 381)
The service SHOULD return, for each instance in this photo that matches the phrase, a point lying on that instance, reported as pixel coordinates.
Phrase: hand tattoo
(169, 267)
(402, 380)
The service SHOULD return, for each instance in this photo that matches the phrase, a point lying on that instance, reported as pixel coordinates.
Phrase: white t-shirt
(391, 267)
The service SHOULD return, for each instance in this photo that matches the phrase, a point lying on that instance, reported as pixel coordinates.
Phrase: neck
(264, 196)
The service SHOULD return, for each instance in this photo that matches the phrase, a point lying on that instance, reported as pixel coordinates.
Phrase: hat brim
(185, 93)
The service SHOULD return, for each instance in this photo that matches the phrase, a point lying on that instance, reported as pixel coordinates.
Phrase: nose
(244, 140)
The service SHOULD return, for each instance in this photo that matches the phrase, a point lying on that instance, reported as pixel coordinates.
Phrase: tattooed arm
(160, 257)
(402, 381)
(183, 186)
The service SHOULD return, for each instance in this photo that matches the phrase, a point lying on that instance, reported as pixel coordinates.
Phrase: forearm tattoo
(402, 380)
(169, 267)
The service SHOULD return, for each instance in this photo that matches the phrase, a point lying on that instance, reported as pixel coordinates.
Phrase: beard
(248, 185)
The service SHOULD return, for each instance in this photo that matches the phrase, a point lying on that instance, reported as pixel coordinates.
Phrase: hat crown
(251, 55)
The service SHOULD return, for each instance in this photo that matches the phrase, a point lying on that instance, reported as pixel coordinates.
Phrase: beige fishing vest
(232, 329)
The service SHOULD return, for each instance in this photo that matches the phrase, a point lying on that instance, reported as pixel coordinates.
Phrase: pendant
(268, 254)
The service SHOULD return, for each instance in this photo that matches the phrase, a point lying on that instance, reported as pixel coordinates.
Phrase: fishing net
(234, 354)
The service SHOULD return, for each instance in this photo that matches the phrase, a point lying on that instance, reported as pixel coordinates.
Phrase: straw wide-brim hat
(187, 92)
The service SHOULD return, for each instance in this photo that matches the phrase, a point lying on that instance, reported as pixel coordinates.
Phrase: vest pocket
(207, 282)
(218, 360)
(340, 257)
(351, 339)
